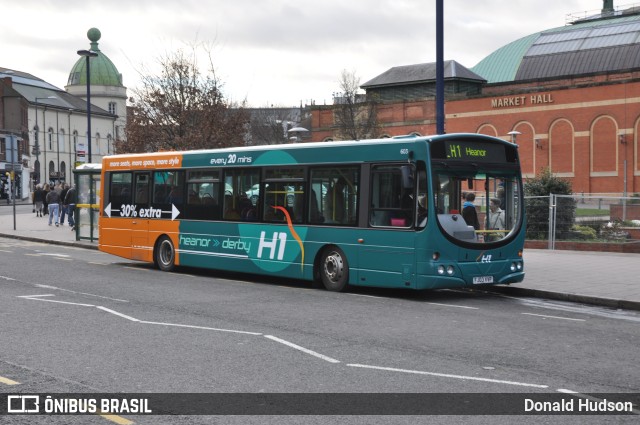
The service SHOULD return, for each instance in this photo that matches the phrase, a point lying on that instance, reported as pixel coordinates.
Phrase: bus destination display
(474, 151)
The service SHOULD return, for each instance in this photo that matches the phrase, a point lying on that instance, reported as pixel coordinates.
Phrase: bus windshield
(478, 207)
(477, 189)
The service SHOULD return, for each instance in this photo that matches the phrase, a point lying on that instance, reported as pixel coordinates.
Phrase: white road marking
(453, 305)
(140, 269)
(304, 350)
(124, 316)
(554, 317)
(36, 298)
(80, 293)
(200, 327)
(50, 254)
(446, 375)
(366, 296)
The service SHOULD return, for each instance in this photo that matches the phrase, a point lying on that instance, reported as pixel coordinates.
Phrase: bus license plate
(482, 279)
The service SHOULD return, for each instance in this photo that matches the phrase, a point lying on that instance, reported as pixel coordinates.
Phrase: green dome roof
(607, 43)
(103, 71)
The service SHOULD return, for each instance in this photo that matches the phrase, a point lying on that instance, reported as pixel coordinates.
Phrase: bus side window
(284, 194)
(241, 192)
(334, 195)
(120, 193)
(392, 196)
(141, 189)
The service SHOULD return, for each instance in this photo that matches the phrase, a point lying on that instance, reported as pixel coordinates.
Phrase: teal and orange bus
(386, 213)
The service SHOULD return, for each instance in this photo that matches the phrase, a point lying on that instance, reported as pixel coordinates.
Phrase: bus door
(386, 255)
(140, 221)
(115, 231)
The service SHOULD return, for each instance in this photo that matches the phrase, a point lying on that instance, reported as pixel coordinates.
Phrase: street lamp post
(88, 54)
(36, 146)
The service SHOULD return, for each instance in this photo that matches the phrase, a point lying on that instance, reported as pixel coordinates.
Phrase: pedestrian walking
(63, 205)
(53, 199)
(46, 188)
(38, 199)
(70, 201)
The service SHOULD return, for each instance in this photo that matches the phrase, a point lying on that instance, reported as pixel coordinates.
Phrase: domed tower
(107, 90)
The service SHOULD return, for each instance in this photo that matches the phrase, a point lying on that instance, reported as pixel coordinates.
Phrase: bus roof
(388, 149)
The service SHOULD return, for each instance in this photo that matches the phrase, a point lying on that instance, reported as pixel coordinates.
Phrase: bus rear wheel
(334, 270)
(165, 254)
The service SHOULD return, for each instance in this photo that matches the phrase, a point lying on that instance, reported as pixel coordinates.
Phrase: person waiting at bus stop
(469, 212)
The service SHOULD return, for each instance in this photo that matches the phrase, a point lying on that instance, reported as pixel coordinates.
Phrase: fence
(582, 218)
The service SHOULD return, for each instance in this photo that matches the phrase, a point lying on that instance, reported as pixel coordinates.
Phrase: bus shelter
(87, 212)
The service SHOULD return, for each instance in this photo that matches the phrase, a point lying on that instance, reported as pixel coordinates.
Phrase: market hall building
(568, 96)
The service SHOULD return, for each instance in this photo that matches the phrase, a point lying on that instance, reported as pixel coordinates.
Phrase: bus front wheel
(165, 254)
(334, 269)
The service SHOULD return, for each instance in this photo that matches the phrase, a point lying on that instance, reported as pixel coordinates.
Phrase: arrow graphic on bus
(131, 211)
(108, 210)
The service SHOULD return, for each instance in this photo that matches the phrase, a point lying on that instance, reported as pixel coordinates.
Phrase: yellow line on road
(8, 381)
(117, 419)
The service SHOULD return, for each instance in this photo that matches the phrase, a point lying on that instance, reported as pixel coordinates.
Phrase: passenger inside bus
(469, 212)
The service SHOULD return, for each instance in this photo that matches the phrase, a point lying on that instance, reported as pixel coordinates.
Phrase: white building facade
(53, 132)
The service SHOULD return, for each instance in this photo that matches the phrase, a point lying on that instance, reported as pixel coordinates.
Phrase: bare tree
(182, 109)
(354, 114)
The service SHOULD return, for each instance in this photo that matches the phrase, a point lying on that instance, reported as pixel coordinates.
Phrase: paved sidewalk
(30, 227)
(599, 278)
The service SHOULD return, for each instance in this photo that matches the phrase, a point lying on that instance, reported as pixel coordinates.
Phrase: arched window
(52, 170)
(61, 141)
(50, 138)
(98, 151)
(113, 108)
(63, 171)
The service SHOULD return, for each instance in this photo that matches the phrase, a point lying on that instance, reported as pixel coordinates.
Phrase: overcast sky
(269, 52)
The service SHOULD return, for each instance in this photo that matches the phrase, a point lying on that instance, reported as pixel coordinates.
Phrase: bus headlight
(516, 266)
(440, 269)
(450, 270)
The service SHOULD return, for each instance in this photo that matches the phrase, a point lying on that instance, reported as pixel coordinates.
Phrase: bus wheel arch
(332, 268)
(164, 254)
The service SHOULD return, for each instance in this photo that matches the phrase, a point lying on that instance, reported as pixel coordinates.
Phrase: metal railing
(582, 217)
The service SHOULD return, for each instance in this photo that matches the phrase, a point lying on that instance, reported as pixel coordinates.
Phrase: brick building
(569, 96)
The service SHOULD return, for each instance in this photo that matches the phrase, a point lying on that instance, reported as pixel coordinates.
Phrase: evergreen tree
(538, 190)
